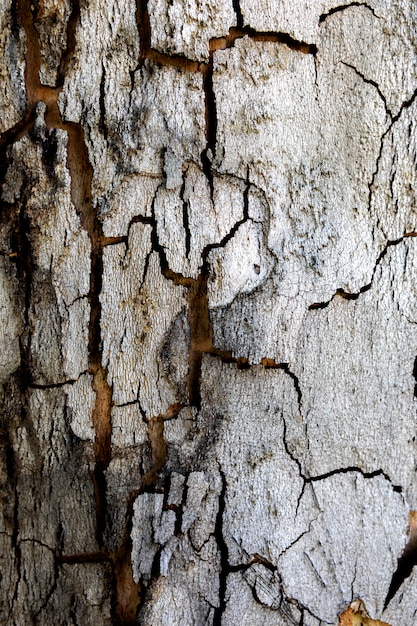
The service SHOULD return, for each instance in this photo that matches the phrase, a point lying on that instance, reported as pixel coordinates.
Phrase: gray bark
(208, 310)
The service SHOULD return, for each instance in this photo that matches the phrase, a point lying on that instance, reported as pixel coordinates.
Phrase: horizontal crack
(343, 7)
(348, 470)
(355, 295)
(227, 41)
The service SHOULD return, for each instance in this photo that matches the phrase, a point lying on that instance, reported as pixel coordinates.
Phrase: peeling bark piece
(186, 26)
(373, 427)
(187, 592)
(201, 507)
(81, 594)
(365, 524)
(123, 476)
(81, 400)
(11, 323)
(97, 84)
(313, 166)
(394, 186)
(36, 584)
(147, 514)
(191, 218)
(128, 426)
(247, 409)
(140, 130)
(300, 18)
(12, 67)
(241, 266)
(57, 251)
(243, 606)
(138, 306)
(54, 490)
(391, 34)
(131, 199)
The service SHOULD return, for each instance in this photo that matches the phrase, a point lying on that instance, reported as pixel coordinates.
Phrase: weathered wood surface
(208, 312)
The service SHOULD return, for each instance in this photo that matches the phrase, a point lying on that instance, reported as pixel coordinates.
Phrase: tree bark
(208, 309)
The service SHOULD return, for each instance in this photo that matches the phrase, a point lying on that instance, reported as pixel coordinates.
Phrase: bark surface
(208, 312)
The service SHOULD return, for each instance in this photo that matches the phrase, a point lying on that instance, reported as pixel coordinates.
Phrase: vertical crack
(81, 173)
(144, 29)
(71, 41)
(238, 11)
(185, 220)
(102, 121)
(224, 554)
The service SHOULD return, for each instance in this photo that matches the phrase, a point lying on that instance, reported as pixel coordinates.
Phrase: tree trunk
(208, 307)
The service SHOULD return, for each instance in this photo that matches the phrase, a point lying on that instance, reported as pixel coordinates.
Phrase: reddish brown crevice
(176, 60)
(221, 43)
(158, 444)
(33, 55)
(201, 336)
(127, 592)
(84, 557)
(144, 29)
(81, 174)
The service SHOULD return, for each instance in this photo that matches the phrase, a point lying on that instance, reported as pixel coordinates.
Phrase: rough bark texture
(208, 312)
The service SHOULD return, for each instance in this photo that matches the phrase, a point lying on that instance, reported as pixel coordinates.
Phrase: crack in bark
(126, 603)
(224, 553)
(358, 470)
(373, 83)
(227, 41)
(343, 7)
(71, 42)
(355, 295)
(406, 561)
(144, 32)
(238, 12)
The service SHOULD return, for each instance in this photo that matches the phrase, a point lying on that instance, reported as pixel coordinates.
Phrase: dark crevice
(15, 529)
(224, 553)
(52, 385)
(405, 566)
(232, 231)
(185, 220)
(84, 557)
(180, 61)
(201, 336)
(69, 51)
(144, 29)
(102, 104)
(415, 377)
(290, 454)
(343, 7)
(355, 295)
(405, 105)
(286, 368)
(358, 470)
(221, 43)
(370, 82)
(12, 135)
(238, 11)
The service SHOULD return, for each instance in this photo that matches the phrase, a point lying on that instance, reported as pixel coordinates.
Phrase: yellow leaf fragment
(357, 615)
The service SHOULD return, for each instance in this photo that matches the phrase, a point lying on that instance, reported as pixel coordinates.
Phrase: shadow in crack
(406, 561)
